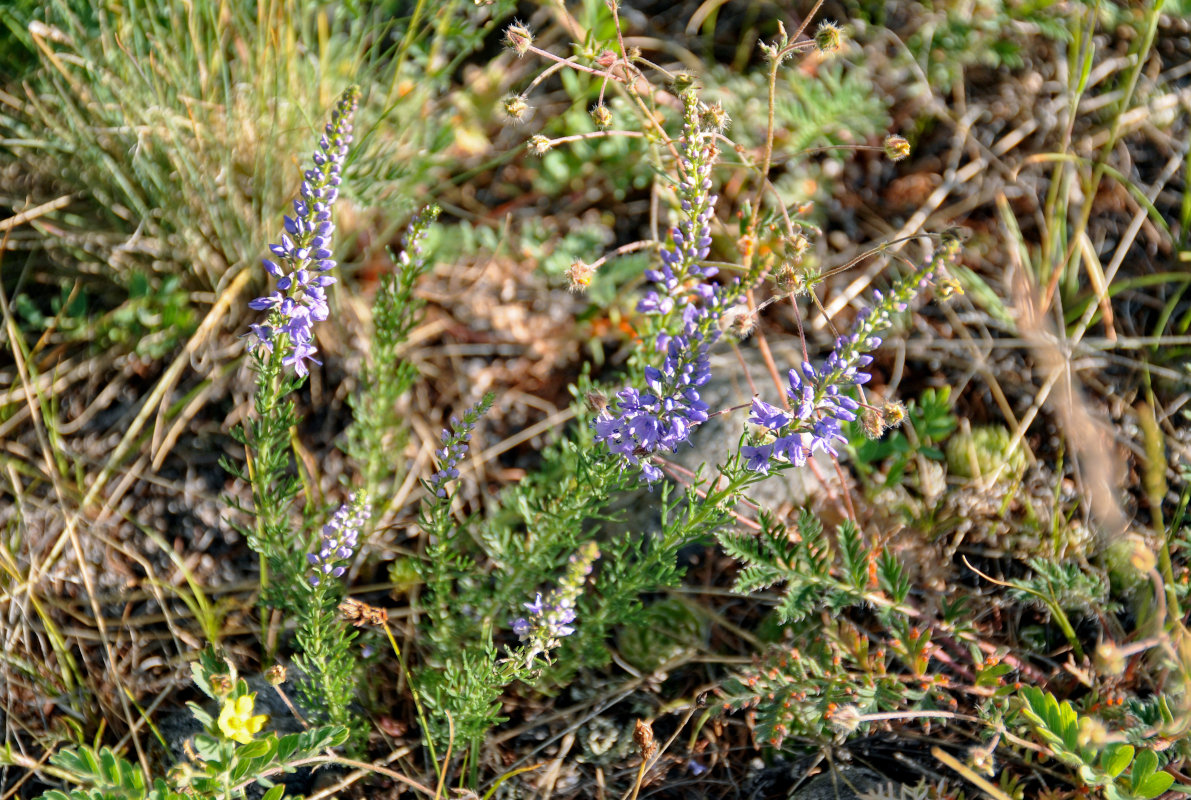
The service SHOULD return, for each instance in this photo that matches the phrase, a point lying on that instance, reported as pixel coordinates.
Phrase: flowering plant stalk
(325, 641)
(285, 345)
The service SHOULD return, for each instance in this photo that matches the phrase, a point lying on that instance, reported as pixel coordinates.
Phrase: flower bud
(606, 59)
(579, 274)
(602, 117)
(872, 422)
(539, 145)
(895, 414)
(1110, 660)
(682, 82)
(828, 38)
(515, 107)
(221, 685)
(896, 148)
(275, 675)
(519, 37)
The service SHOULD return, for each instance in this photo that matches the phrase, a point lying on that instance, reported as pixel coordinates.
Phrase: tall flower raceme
(551, 619)
(303, 256)
(819, 399)
(660, 417)
(454, 446)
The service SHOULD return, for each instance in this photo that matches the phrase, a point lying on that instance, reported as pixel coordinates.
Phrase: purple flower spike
(306, 237)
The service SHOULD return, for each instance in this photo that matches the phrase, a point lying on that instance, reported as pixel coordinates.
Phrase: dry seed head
(539, 145)
(872, 422)
(275, 675)
(519, 38)
(828, 38)
(895, 414)
(846, 719)
(602, 117)
(643, 738)
(579, 274)
(596, 401)
(515, 107)
(896, 147)
(714, 118)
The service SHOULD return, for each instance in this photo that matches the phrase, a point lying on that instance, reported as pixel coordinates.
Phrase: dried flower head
(738, 322)
(713, 117)
(275, 675)
(647, 746)
(519, 38)
(896, 147)
(539, 145)
(596, 401)
(828, 38)
(872, 422)
(515, 107)
(221, 685)
(602, 117)
(579, 275)
(895, 414)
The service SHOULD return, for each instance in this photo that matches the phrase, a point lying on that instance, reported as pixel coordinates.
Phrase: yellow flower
(236, 720)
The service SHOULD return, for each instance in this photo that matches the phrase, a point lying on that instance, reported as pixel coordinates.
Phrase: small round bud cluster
(275, 675)
(515, 107)
(579, 275)
(602, 117)
(682, 82)
(539, 145)
(896, 147)
(519, 38)
(828, 38)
